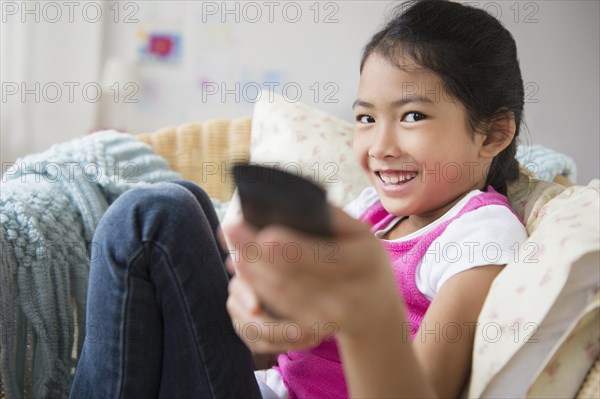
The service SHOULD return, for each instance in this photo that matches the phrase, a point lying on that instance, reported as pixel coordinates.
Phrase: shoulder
(486, 215)
(367, 198)
(493, 230)
(488, 235)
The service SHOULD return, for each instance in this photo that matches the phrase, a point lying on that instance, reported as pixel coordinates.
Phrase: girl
(393, 314)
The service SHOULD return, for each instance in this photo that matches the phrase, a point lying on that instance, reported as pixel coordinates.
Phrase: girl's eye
(365, 119)
(413, 117)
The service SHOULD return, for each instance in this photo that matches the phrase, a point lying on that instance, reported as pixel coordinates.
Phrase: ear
(500, 132)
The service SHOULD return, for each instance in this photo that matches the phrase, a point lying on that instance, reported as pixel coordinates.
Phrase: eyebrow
(396, 104)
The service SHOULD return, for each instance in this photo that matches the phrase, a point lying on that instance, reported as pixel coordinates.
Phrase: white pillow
(306, 141)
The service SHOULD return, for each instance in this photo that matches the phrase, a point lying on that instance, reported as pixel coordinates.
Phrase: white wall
(560, 60)
(45, 66)
(558, 43)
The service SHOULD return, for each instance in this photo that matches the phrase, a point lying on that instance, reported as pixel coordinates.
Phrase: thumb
(238, 234)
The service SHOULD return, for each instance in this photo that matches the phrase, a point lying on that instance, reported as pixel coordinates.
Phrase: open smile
(395, 177)
(395, 180)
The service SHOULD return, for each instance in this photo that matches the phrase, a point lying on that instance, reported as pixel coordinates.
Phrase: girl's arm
(382, 363)
(444, 343)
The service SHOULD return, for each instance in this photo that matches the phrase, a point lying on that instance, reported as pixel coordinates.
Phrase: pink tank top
(318, 372)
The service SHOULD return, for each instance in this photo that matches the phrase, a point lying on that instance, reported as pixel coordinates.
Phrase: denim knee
(144, 210)
(195, 189)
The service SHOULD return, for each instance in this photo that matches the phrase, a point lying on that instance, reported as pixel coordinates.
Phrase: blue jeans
(157, 325)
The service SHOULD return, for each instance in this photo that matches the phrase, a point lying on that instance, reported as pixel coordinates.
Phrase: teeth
(395, 179)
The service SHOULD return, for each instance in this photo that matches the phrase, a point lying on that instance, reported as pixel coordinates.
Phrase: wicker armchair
(205, 152)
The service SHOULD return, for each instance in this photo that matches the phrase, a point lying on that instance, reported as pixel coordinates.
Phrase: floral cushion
(539, 298)
(306, 141)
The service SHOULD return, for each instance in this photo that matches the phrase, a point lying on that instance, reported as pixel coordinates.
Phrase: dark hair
(474, 56)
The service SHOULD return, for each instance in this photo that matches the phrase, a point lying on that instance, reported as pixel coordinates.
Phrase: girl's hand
(316, 287)
(261, 332)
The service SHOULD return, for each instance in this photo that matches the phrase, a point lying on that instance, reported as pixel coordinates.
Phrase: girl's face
(413, 142)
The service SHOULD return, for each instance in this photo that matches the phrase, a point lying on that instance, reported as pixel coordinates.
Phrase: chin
(396, 207)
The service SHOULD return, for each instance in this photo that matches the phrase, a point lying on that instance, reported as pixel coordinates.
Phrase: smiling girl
(439, 106)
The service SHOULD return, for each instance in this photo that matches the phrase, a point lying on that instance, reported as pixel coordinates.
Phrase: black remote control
(272, 196)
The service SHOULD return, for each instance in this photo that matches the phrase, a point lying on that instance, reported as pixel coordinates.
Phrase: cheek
(360, 150)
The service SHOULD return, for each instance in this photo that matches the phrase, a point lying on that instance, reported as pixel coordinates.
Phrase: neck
(412, 223)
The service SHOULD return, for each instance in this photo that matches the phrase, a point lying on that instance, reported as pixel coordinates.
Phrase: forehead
(378, 67)
(382, 78)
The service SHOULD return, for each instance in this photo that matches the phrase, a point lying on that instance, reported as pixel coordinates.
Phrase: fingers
(243, 296)
(260, 332)
(237, 234)
(234, 237)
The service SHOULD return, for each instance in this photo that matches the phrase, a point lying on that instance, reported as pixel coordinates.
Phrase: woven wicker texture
(204, 152)
(591, 385)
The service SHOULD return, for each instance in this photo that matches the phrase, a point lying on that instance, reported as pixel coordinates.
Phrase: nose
(385, 142)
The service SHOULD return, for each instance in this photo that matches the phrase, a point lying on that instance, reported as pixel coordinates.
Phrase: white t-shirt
(490, 235)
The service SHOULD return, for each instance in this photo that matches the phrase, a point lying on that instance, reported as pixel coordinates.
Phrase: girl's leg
(156, 318)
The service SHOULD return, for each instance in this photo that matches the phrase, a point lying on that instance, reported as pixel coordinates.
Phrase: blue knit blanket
(546, 164)
(50, 205)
